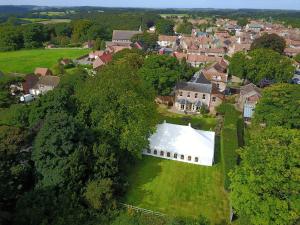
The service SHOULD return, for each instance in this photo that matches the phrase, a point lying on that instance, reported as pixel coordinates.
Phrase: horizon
(156, 4)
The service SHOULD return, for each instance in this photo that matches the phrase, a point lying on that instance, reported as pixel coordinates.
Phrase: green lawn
(25, 61)
(178, 189)
(197, 121)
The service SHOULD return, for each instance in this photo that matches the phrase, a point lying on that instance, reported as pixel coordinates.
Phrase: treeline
(95, 25)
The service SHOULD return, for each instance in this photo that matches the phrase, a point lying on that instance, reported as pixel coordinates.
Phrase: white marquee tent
(182, 143)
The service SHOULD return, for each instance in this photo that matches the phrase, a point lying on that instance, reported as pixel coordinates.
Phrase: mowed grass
(197, 121)
(25, 61)
(178, 189)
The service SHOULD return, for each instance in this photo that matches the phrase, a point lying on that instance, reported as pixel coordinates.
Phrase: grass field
(25, 61)
(178, 189)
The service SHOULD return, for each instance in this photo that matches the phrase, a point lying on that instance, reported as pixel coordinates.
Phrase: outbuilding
(182, 143)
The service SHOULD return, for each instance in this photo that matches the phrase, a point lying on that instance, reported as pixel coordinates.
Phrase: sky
(257, 4)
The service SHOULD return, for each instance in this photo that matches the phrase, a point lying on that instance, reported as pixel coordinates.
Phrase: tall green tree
(165, 27)
(148, 40)
(121, 107)
(34, 35)
(238, 65)
(265, 186)
(279, 106)
(267, 64)
(269, 41)
(11, 38)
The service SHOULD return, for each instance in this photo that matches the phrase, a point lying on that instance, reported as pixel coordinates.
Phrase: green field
(25, 61)
(178, 189)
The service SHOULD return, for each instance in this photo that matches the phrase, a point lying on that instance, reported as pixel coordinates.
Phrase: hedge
(229, 139)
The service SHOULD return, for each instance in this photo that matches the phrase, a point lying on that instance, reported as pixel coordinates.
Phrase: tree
(99, 194)
(238, 65)
(279, 106)
(148, 40)
(265, 186)
(10, 38)
(185, 28)
(269, 41)
(162, 72)
(15, 168)
(164, 26)
(79, 30)
(267, 64)
(59, 154)
(34, 35)
(242, 22)
(121, 108)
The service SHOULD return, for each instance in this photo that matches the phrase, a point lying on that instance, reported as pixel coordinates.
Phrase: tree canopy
(262, 64)
(265, 186)
(279, 106)
(269, 41)
(165, 27)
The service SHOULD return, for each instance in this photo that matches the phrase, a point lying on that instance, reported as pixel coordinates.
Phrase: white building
(182, 143)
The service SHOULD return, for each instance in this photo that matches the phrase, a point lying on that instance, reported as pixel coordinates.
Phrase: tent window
(196, 159)
(189, 94)
(182, 157)
(203, 96)
(155, 152)
(189, 158)
(196, 95)
(168, 154)
(162, 153)
(148, 151)
(175, 155)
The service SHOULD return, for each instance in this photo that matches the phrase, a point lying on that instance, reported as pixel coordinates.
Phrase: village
(184, 120)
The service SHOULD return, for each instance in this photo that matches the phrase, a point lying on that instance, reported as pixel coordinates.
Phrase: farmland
(25, 61)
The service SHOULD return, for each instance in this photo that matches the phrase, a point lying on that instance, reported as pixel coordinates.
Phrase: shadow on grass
(141, 173)
(217, 155)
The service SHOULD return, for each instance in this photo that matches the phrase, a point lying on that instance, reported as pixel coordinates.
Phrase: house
(124, 36)
(183, 144)
(43, 72)
(166, 41)
(291, 52)
(44, 84)
(95, 54)
(116, 48)
(102, 60)
(30, 81)
(197, 93)
(254, 27)
(249, 96)
(152, 29)
(217, 74)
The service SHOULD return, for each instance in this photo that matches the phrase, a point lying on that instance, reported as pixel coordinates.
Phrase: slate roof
(196, 87)
(199, 78)
(124, 34)
(52, 81)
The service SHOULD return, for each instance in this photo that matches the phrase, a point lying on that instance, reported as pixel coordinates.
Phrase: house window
(155, 152)
(203, 96)
(182, 157)
(161, 153)
(175, 155)
(218, 85)
(148, 151)
(189, 158)
(168, 154)
(214, 99)
(196, 95)
(180, 93)
(196, 159)
(189, 94)
(182, 107)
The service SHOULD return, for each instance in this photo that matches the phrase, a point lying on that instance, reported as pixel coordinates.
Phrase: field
(174, 15)
(180, 189)
(25, 61)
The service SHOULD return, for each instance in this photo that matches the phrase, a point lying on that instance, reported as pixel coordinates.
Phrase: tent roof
(184, 140)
